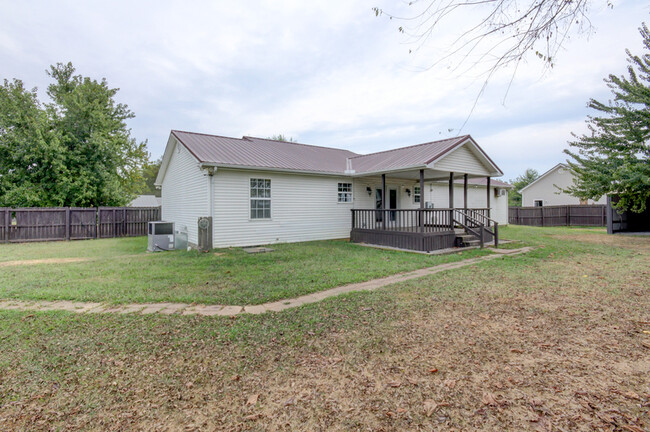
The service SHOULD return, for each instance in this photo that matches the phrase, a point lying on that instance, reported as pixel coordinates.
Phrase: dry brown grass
(544, 344)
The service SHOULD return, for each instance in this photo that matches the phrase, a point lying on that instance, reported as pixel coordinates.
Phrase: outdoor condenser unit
(161, 236)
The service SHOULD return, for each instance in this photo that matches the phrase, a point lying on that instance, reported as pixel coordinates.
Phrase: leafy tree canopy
(514, 197)
(75, 150)
(149, 174)
(281, 137)
(614, 156)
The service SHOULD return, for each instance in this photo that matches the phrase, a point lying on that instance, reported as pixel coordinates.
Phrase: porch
(424, 229)
(401, 211)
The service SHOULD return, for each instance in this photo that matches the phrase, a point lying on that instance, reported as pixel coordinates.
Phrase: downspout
(211, 170)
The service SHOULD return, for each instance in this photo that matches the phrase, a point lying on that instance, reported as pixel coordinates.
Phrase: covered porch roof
(437, 159)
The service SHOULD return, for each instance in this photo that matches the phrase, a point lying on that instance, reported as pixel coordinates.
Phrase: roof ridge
(205, 134)
(246, 137)
(412, 146)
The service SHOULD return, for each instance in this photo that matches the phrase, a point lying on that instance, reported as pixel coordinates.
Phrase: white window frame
(256, 198)
(536, 201)
(419, 195)
(343, 193)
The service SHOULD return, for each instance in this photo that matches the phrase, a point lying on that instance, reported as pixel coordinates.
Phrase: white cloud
(326, 72)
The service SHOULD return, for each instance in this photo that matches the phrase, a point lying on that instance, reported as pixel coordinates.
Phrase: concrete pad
(254, 250)
(101, 309)
(131, 308)
(150, 308)
(173, 308)
(275, 306)
(230, 311)
(256, 309)
(205, 310)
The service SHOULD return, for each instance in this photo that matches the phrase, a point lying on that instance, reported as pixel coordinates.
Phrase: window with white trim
(345, 192)
(260, 198)
(417, 195)
(538, 203)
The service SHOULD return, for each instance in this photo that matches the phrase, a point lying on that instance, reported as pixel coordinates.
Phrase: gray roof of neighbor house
(265, 153)
(251, 152)
(146, 201)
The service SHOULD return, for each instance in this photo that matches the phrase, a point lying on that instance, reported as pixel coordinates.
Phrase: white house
(547, 189)
(145, 201)
(260, 191)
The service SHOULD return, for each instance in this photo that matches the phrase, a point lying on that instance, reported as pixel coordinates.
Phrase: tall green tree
(75, 150)
(149, 174)
(514, 197)
(614, 157)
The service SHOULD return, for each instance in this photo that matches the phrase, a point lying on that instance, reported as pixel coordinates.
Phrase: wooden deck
(414, 229)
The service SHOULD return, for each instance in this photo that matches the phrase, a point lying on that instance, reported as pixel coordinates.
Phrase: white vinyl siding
(545, 189)
(303, 208)
(462, 160)
(435, 192)
(184, 192)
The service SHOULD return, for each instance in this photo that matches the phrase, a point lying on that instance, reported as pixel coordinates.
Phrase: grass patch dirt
(554, 340)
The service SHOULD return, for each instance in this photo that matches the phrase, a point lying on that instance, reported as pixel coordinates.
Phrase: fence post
(124, 225)
(568, 215)
(8, 224)
(543, 221)
(67, 223)
(353, 221)
(5, 224)
(98, 222)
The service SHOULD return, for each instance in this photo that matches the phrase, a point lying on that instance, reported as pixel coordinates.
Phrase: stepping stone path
(220, 310)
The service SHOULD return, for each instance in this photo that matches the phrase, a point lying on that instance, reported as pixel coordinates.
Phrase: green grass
(120, 271)
(569, 307)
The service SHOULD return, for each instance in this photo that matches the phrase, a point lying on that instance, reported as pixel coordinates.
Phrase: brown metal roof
(267, 153)
(405, 157)
(263, 153)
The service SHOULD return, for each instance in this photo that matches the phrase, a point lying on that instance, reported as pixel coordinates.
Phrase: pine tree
(614, 158)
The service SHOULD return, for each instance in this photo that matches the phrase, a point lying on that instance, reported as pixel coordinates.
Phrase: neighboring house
(145, 201)
(260, 191)
(547, 189)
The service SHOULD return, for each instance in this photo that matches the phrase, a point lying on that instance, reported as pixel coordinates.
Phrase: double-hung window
(345, 192)
(260, 198)
(417, 195)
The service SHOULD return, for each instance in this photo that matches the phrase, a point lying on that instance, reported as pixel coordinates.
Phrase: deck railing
(405, 220)
(477, 223)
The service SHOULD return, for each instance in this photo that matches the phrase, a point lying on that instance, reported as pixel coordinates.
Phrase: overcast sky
(323, 72)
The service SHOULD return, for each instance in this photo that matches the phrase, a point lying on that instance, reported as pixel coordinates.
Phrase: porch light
(369, 190)
(408, 191)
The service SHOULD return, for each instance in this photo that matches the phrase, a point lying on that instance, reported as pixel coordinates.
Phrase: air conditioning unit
(205, 233)
(499, 192)
(161, 236)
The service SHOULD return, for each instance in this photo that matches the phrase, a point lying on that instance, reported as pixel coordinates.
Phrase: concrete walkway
(220, 310)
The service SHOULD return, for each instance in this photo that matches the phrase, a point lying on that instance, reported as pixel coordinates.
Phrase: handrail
(481, 215)
(482, 226)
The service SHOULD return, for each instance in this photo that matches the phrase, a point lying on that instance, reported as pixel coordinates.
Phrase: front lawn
(554, 340)
(121, 271)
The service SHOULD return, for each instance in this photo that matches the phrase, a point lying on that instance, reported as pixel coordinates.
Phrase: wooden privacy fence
(70, 223)
(564, 215)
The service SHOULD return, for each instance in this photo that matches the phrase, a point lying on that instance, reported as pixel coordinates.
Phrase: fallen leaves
(252, 399)
(430, 406)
